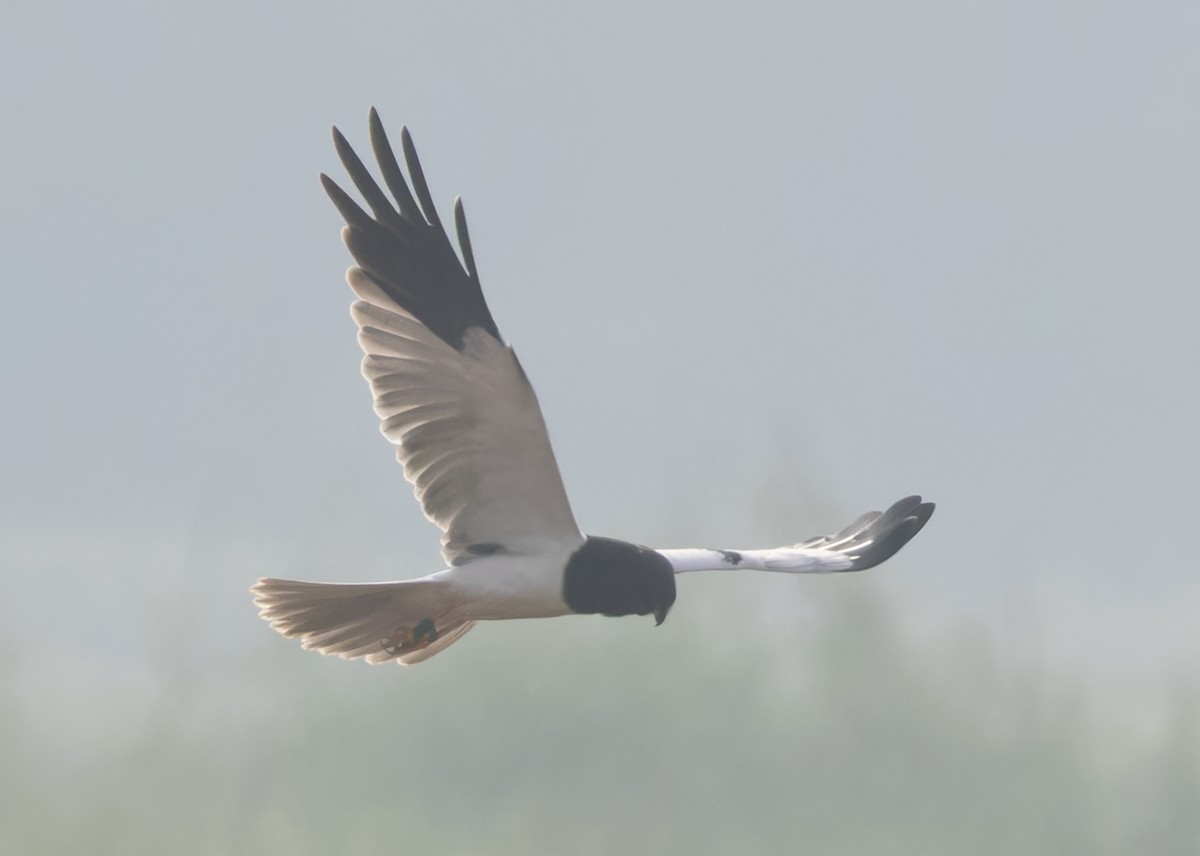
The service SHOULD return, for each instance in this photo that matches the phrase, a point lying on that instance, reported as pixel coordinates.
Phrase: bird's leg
(405, 640)
(425, 633)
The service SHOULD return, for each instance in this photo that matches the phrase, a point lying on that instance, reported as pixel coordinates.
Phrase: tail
(399, 621)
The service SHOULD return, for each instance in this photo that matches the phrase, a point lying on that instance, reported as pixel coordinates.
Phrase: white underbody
(493, 588)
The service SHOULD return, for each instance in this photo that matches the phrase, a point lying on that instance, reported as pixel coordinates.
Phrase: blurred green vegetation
(740, 726)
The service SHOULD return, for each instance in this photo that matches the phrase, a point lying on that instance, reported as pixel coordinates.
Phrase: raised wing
(450, 394)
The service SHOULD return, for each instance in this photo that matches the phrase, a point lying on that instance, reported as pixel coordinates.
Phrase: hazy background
(768, 268)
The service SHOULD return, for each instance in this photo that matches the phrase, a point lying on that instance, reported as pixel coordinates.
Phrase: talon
(425, 629)
(402, 641)
(394, 644)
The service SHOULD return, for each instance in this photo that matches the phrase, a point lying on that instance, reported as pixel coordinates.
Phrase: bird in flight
(454, 401)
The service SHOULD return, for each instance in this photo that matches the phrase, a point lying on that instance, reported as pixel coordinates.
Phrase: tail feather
(401, 621)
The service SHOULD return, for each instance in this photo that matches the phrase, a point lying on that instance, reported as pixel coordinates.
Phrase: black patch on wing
(485, 549)
(403, 248)
(874, 537)
(618, 578)
(885, 536)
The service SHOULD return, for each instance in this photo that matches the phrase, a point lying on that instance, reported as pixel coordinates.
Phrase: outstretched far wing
(871, 539)
(450, 394)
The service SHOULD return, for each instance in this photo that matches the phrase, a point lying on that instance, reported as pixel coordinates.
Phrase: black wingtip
(912, 522)
(375, 121)
(326, 184)
(407, 252)
(884, 536)
(393, 177)
(464, 238)
(890, 542)
(417, 175)
(347, 207)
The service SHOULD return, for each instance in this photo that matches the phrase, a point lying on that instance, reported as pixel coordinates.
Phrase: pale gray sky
(931, 247)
